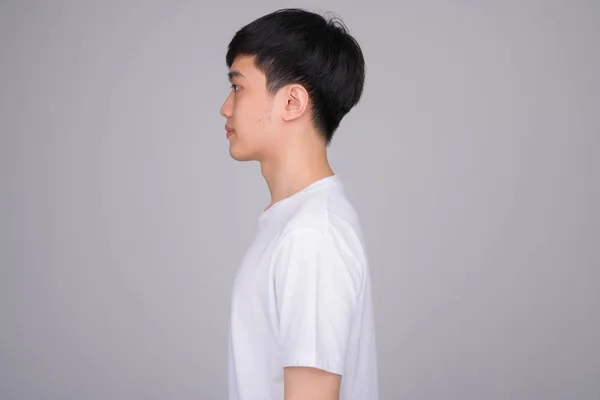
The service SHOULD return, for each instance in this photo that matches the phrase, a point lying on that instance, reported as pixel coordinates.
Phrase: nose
(226, 108)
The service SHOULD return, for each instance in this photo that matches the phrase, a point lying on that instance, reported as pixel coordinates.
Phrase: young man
(301, 312)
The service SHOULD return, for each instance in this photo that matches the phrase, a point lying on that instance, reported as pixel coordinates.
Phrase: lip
(229, 131)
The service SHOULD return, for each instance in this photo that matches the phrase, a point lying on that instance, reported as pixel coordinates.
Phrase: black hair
(298, 46)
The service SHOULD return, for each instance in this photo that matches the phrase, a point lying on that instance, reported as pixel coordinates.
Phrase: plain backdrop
(472, 160)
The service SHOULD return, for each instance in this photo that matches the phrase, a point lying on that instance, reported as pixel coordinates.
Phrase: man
(301, 312)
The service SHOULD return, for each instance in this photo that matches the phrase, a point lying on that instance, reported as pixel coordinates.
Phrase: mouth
(229, 131)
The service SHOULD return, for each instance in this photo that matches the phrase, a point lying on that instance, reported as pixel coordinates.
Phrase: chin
(240, 155)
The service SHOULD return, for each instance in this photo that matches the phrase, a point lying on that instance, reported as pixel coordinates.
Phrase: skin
(277, 131)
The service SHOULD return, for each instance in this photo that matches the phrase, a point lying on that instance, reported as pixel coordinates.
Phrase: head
(292, 72)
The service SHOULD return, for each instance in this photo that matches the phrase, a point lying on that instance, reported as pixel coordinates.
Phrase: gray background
(472, 160)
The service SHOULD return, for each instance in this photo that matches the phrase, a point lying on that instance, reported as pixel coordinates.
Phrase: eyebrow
(234, 74)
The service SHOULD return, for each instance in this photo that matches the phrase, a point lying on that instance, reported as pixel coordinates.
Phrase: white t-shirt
(302, 297)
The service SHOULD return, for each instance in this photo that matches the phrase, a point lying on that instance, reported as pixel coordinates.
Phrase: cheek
(252, 115)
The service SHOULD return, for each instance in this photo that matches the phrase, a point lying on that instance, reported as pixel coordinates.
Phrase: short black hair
(293, 45)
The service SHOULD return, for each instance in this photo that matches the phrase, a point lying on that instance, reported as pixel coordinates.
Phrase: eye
(235, 87)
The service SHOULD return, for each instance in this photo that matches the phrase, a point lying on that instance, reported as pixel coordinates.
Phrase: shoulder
(325, 235)
(327, 212)
(310, 258)
(325, 218)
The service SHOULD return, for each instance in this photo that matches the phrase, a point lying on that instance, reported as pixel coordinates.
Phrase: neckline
(315, 184)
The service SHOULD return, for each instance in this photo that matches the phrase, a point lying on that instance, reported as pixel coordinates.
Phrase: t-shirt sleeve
(317, 285)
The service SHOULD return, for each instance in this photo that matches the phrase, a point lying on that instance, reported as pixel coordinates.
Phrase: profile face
(249, 111)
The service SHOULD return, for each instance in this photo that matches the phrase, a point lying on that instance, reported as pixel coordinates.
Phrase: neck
(296, 166)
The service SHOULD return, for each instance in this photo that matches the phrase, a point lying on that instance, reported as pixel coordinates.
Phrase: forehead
(245, 67)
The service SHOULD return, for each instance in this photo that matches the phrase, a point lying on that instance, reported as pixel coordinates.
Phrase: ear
(296, 102)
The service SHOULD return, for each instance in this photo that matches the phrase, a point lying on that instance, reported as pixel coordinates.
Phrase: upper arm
(306, 383)
(317, 286)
